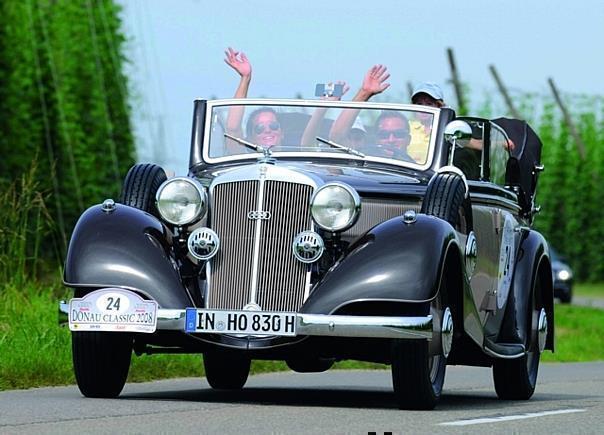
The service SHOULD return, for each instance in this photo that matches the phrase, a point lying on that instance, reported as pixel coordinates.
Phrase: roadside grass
(595, 291)
(35, 351)
(579, 334)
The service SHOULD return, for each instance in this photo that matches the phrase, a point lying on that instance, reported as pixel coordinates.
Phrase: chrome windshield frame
(212, 104)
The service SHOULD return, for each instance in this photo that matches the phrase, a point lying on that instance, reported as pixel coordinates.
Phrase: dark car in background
(563, 277)
(313, 250)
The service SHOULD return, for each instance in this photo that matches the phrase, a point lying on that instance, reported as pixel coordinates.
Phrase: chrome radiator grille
(281, 281)
(230, 278)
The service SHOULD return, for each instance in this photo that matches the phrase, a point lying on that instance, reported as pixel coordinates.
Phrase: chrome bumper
(316, 324)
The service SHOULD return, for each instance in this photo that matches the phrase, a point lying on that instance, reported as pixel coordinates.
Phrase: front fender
(393, 261)
(124, 248)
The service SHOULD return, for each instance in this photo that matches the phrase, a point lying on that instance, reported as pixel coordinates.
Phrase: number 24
(113, 304)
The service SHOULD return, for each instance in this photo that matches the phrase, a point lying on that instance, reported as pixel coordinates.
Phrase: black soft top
(523, 166)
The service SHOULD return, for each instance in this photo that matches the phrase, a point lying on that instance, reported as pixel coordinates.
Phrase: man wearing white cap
(425, 94)
(428, 94)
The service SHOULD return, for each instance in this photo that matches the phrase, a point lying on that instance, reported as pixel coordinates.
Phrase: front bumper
(315, 324)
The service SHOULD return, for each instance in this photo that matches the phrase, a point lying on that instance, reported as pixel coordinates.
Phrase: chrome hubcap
(542, 330)
(446, 334)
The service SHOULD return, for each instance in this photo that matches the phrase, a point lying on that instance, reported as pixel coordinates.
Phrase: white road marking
(509, 417)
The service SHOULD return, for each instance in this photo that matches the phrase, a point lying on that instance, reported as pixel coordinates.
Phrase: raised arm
(314, 124)
(374, 83)
(240, 63)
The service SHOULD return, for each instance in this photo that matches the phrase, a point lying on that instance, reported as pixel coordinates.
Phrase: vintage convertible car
(317, 231)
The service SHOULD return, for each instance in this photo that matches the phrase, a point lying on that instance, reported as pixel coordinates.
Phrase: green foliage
(571, 190)
(25, 222)
(63, 99)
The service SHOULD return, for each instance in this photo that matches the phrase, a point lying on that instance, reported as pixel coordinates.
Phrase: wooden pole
(569, 122)
(456, 82)
(506, 97)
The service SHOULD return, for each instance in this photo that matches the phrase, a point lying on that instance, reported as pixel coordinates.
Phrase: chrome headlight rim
(201, 191)
(356, 212)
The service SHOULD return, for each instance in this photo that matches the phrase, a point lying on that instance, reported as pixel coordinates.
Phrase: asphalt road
(569, 399)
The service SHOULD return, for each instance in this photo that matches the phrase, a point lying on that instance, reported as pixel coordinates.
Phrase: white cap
(429, 88)
(358, 125)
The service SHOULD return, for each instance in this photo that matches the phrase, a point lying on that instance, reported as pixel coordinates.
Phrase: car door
(495, 216)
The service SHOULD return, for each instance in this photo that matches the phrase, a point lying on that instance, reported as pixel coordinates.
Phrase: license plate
(240, 322)
(112, 310)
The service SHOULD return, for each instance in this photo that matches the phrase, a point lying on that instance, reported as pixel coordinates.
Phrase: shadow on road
(338, 398)
(279, 396)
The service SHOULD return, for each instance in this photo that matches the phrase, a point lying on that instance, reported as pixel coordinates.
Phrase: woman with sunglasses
(263, 126)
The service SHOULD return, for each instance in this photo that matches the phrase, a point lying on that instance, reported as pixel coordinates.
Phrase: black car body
(314, 252)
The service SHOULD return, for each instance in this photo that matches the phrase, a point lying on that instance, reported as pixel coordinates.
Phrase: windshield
(371, 133)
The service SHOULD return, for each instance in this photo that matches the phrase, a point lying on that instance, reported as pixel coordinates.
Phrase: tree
(64, 102)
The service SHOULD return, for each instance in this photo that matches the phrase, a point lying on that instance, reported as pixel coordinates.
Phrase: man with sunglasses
(392, 135)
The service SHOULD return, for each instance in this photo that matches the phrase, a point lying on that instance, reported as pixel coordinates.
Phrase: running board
(503, 350)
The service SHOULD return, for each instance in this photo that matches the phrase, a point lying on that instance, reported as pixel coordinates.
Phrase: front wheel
(226, 370)
(567, 297)
(101, 361)
(418, 376)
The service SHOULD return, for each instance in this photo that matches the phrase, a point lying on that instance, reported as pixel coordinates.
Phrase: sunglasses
(400, 133)
(274, 126)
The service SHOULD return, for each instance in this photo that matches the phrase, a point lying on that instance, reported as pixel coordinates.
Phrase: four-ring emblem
(258, 215)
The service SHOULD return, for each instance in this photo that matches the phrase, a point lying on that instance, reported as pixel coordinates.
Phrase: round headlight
(564, 275)
(335, 207)
(181, 200)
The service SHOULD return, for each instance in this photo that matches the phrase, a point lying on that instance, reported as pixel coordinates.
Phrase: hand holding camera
(331, 90)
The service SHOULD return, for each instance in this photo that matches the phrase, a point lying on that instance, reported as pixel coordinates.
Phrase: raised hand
(374, 81)
(238, 61)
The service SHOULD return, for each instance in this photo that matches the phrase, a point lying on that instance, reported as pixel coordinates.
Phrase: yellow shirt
(418, 147)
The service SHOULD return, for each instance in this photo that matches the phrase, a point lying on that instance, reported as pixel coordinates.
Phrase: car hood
(365, 179)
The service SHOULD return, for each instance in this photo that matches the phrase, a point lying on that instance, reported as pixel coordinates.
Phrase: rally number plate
(112, 310)
(240, 322)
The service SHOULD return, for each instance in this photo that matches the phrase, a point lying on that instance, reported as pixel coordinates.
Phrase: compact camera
(329, 90)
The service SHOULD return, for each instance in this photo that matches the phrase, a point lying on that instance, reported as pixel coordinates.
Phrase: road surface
(569, 399)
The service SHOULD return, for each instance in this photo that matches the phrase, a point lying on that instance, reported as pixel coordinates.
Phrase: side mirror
(458, 133)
